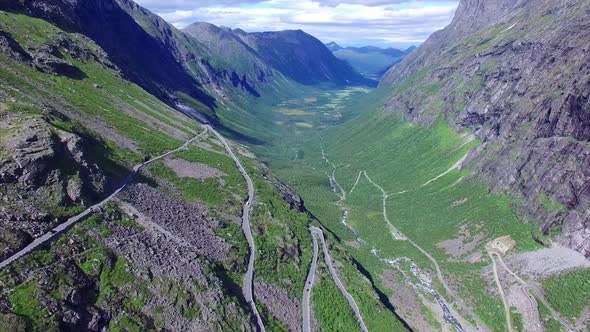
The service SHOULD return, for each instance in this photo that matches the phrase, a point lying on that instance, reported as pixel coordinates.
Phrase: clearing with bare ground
(187, 169)
(465, 246)
(410, 304)
(546, 262)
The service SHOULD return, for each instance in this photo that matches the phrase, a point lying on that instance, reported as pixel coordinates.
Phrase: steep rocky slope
(230, 58)
(142, 58)
(262, 56)
(168, 253)
(516, 74)
(208, 53)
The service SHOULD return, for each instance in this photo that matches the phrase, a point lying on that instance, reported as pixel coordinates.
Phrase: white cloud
(350, 22)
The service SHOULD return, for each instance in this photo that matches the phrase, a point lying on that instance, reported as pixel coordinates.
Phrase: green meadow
(429, 200)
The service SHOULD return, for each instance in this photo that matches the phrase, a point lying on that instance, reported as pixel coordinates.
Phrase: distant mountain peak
(333, 46)
(239, 31)
(410, 49)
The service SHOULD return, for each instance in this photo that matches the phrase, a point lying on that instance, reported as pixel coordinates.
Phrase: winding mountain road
(398, 235)
(60, 229)
(247, 287)
(502, 295)
(305, 307)
(527, 287)
(318, 232)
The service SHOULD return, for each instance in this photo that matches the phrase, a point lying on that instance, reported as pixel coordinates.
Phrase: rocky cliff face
(227, 59)
(258, 58)
(44, 173)
(516, 74)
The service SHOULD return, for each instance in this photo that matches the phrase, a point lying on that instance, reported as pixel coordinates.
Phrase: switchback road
(247, 287)
(318, 232)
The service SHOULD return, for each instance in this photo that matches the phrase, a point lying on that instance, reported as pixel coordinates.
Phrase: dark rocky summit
(517, 74)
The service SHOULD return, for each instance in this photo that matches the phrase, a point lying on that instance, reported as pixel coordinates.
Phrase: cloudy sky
(397, 23)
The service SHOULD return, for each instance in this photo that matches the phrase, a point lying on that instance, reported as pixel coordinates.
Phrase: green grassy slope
(401, 158)
(568, 293)
(101, 94)
(122, 124)
(280, 123)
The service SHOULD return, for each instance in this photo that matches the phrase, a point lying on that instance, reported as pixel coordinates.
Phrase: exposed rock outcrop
(515, 73)
(289, 195)
(284, 308)
(43, 170)
(49, 63)
(13, 49)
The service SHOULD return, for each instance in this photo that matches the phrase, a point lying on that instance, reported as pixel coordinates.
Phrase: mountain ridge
(302, 57)
(184, 64)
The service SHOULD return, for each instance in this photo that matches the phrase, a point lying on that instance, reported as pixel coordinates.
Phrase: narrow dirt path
(358, 179)
(532, 288)
(394, 231)
(452, 168)
(501, 291)
(247, 287)
(335, 185)
(305, 303)
(397, 235)
(318, 232)
(400, 236)
(62, 228)
(459, 301)
(528, 306)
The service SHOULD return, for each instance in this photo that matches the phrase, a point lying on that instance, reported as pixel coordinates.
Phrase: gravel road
(247, 287)
(308, 286)
(318, 232)
(538, 290)
(60, 229)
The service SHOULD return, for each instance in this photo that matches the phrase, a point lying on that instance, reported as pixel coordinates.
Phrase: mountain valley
(372, 62)
(213, 179)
